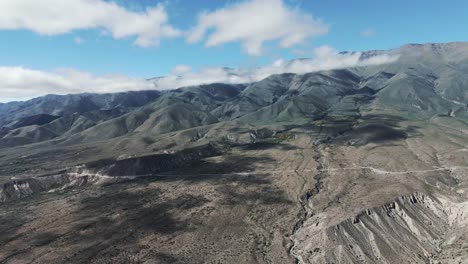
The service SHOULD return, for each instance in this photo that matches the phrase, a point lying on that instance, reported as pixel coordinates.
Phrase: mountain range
(426, 80)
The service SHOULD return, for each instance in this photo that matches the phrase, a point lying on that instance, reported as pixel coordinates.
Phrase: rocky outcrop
(106, 171)
(411, 229)
(18, 189)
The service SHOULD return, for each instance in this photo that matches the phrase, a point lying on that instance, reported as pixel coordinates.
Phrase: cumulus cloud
(323, 58)
(253, 22)
(18, 83)
(52, 17)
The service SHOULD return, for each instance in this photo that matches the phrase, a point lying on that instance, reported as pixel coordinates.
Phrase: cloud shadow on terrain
(117, 216)
(382, 129)
(14, 215)
(233, 180)
(267, 145)
(159, 211)
(10, 222)
(110, 219)
(133, 210)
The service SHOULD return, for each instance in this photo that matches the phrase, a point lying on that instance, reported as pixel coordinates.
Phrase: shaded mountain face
(365, 164)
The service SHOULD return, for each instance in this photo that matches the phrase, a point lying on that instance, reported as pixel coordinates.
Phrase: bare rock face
(412, 229)
(18, 189)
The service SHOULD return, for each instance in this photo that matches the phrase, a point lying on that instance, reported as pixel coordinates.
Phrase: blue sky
(346, 25)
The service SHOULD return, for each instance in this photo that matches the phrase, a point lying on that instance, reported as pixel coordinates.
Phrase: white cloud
(181, 69)
(18, 83)
(253, 22)
(324, 58)
(52, 17)
(370, 32)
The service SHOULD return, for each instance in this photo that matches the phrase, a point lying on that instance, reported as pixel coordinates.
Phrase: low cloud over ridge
(324, 58)
(18, 83)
